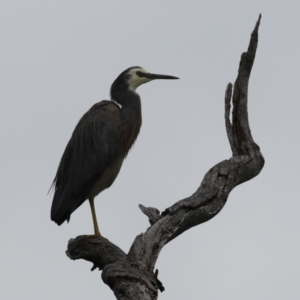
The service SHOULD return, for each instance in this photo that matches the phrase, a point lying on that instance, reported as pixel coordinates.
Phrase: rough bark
(132, 276)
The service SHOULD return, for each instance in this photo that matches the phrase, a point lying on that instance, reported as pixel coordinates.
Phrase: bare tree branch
(132, 276)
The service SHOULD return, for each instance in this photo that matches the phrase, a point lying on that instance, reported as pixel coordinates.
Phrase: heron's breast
(129, 133)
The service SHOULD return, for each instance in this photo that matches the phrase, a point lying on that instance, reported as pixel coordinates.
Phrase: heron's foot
(97, 236)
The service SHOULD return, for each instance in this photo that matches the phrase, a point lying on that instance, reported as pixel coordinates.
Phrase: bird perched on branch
(99, 144)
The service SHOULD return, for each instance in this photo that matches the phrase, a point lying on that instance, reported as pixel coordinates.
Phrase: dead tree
(132, 276)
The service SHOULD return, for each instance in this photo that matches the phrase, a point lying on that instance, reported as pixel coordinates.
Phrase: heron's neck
(131, 116)
(124, 96)
(129, 100)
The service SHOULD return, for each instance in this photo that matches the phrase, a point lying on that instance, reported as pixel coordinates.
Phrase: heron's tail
(63, 205)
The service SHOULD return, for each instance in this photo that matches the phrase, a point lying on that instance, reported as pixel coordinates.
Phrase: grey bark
(132, 276)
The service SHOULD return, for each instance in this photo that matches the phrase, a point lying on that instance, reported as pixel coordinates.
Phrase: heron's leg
(96, 228)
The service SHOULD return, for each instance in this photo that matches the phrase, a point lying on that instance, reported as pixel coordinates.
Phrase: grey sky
(58, 58)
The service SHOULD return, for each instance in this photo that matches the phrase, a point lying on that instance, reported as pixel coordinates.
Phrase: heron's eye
(140, 74)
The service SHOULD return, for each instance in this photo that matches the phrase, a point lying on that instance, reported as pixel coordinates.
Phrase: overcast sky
(58, 58)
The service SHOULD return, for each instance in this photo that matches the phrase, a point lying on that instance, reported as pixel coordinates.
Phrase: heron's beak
(158, 76)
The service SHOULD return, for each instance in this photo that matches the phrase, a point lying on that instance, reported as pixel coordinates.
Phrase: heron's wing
(94, 144)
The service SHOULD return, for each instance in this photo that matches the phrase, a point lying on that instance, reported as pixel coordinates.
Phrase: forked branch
(132, 276)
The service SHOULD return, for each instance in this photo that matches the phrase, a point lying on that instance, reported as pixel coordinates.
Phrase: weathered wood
(131, 276)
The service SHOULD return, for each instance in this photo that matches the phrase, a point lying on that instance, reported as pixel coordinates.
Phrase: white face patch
(135, 80)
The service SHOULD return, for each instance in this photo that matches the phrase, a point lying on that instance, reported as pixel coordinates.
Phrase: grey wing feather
(94, 145)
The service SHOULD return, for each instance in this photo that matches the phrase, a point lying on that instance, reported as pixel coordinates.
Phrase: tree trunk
(132, 276)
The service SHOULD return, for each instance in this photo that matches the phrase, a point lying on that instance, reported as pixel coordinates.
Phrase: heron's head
(133, 77)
